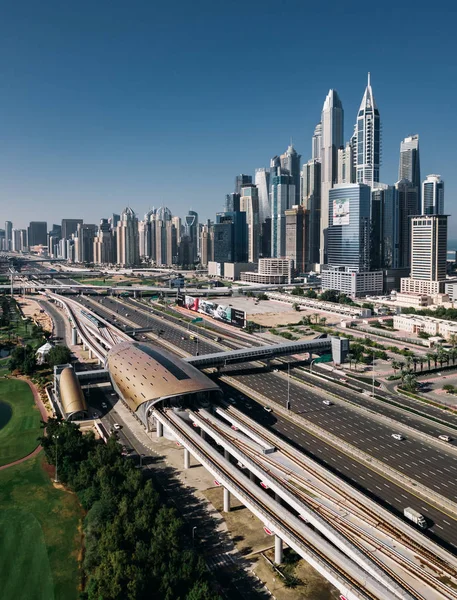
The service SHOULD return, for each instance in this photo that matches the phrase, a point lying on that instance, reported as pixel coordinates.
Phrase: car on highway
(445, 438)
(104, 405)
(343, 380)
(398, 436)
(231, 400)
(327, 402)
(268, 409)
(116, 426)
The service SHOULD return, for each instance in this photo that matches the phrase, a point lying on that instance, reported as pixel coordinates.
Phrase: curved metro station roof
(145, 373)
(71, 394)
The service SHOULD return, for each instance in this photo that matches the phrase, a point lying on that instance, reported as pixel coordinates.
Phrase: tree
(421, 360)
(395, 366)
(59, 355)
(329, 296)
(350, 358)
(310, 293)
(453, 340)
(409, 382)
(449, 388)
(323, 320)
(23, 359)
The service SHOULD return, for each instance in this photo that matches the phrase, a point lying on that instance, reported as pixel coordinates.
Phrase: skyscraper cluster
(330, 214)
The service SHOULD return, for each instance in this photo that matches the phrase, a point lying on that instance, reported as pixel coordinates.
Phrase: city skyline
(110, 144)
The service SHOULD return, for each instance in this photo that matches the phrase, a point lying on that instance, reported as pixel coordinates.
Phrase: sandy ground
(252, 542)
(31, 309)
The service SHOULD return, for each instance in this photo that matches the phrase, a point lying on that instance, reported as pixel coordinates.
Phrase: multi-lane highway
(432, 467)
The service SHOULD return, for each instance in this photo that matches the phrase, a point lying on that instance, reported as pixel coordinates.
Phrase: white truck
(415, 517)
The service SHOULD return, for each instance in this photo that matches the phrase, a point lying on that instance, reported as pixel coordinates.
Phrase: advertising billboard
(207, 308)
(341, 211)
(223, 313)
(180, 300)
(238, 317)
(191, 303)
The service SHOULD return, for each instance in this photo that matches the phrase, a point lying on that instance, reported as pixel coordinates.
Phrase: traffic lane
(443, 528)
(170, 332)
(437, 469)
(432, 411)
(58, 320)
(429, 428)
(209, 324)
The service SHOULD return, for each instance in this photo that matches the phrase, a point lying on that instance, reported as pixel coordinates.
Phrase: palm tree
(349, 357)
(453, 340)
(323, 320)
(395, 366)
(453, 355)
(421, 360)
(415, 361)
(410, 382)
(430, 356)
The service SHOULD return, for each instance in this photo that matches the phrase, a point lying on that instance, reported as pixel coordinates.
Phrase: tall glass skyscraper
(282, 197)
(332, 138)
(262, 181)
(433, 195)
(368, 135)
(409, 167)
(349, 226)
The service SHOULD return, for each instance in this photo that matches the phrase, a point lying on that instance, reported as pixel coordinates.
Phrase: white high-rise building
(433, 195)
(332, 138)
(368, 139)
(128, 248)
(249, 203)
(346, 169)
(262, 181)
(428, 255)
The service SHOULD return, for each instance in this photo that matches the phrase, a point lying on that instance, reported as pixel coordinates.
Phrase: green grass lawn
(39, 536)
(18, 437)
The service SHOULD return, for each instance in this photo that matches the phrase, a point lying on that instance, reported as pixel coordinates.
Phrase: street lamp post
(194, 529)
(141, 460)
(311, 365)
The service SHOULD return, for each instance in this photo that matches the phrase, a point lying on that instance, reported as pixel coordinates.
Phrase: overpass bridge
(232, 357)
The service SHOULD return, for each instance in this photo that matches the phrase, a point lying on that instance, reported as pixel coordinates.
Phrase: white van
(445, 438)
(398, 436)
(327, 402)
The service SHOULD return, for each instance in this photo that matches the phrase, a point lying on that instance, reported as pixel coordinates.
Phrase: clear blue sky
(142, 103)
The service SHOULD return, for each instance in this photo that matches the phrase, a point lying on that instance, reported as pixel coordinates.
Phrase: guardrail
(411, 484)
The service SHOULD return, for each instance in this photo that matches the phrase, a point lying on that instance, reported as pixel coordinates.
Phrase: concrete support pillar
(186, 458)
(268, 363)
(251, 476)
(226, 500)
(203, 434)
(159, 429)
(74, 336)
(90, 354)
(278, 550)
(226, 454)
(277, 497)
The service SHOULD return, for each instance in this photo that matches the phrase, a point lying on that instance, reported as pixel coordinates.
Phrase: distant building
(249, 204)
(368, 139)
(290, 163)
(311, 200)
(282, 197)
(271, 271)
(37, 233)
(128, 250)
(316, 148)
(8, 235)
(240, 181)
(352, 283)
(69, 227)
(409, 167)
(408, 206)
(206, 244)
(191, 230)
(104, 244)
(433, 195)
(262, 181)
(428, 255)
(332, 138)
(84, 243)
(230, 237)
(296, 224)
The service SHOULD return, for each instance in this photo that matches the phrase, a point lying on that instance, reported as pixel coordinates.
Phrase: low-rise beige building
(430, 325)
